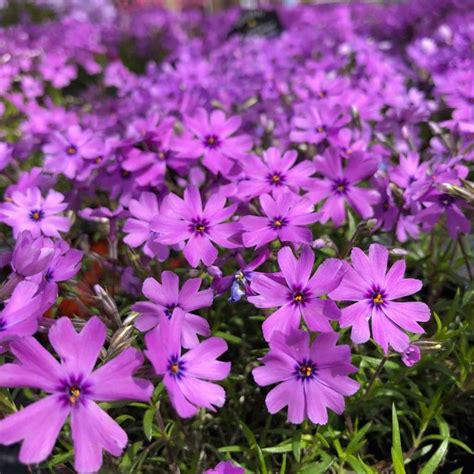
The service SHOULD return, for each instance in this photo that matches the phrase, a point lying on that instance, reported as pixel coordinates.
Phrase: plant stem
(466, 257)
(374, 376)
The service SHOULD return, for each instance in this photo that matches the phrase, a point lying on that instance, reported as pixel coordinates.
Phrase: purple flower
(139, 226)
(284, 219)
(313, 377)
(317, 123)
(20, 314)
(65, 153)
(210, 137)
(166, 297)
(73, 389)
(31, 255)
(411, 355)
(297, 294)
(225, 467)
(239, 282)
(275, 174)
(30, 211)
(368, 282)
(186, 376)
(66, 262)
(186, 220)
(439, 204)
(5, 155)
(339, 186)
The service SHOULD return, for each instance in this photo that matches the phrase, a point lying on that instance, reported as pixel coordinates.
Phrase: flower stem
(374, 376)
(466, 257)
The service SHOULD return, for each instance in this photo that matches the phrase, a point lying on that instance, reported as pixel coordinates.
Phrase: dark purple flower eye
(278, 222)
(306, 370)
(212, 141)
(176, 367)
(71, 150)
(340, 186)
(36, 215)
(446, 200)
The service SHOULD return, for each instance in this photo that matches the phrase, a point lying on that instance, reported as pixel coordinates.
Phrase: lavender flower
(185, 220)
(166, 298)
(30, 211)
(297, 294)
(186, 376)
(338, 187)
(311, 378)
(210, 137)
(374, 289)
(284, 219)
(73, 389)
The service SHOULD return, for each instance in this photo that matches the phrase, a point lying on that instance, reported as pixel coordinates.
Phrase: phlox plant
(222, 252)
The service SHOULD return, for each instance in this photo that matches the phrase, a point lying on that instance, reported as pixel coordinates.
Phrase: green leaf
(358, 439)
(397, 453)
(436, 459)
(148, 418)
(296, 445)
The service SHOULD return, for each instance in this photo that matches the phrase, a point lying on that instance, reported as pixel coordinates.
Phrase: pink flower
(210, 137)
(30, 211)
(186, 376)
(285, 219)
(166, 298)
(73, 389)
(297, 294)
(311, 378)
(186, 220)
(374, 289)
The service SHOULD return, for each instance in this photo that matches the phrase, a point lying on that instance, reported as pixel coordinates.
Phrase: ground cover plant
(237, 253)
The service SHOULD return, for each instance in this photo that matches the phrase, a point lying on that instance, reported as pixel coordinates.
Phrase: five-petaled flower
(186, 376)
(297, 293)
(311, 377)
(374, 289)
(74, 388)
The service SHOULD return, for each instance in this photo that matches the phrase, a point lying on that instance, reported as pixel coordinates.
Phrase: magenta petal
(37, 367)
(317, 411)
(38, 425)
(357, 315)
(201, 393)
(184, 408)
(115, 381)
(78, 351)
(201, 361)
(279, 397)
(93, 431)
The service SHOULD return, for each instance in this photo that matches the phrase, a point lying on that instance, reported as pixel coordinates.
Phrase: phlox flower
(211, 137)
(339, 186)
(73, 389)
(186, 376)
(138, 227)
(35, 213)
(442, 204)
(225, 467)
(20, 313)
(297, 294)
(186, 220)
(311, 377)
(374, 290)
(65, 152)
(284, 219)
(31, 255)
(166, 297)
(317, 123)
(275, 173)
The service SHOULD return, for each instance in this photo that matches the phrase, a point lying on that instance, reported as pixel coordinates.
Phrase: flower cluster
(285, 171)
